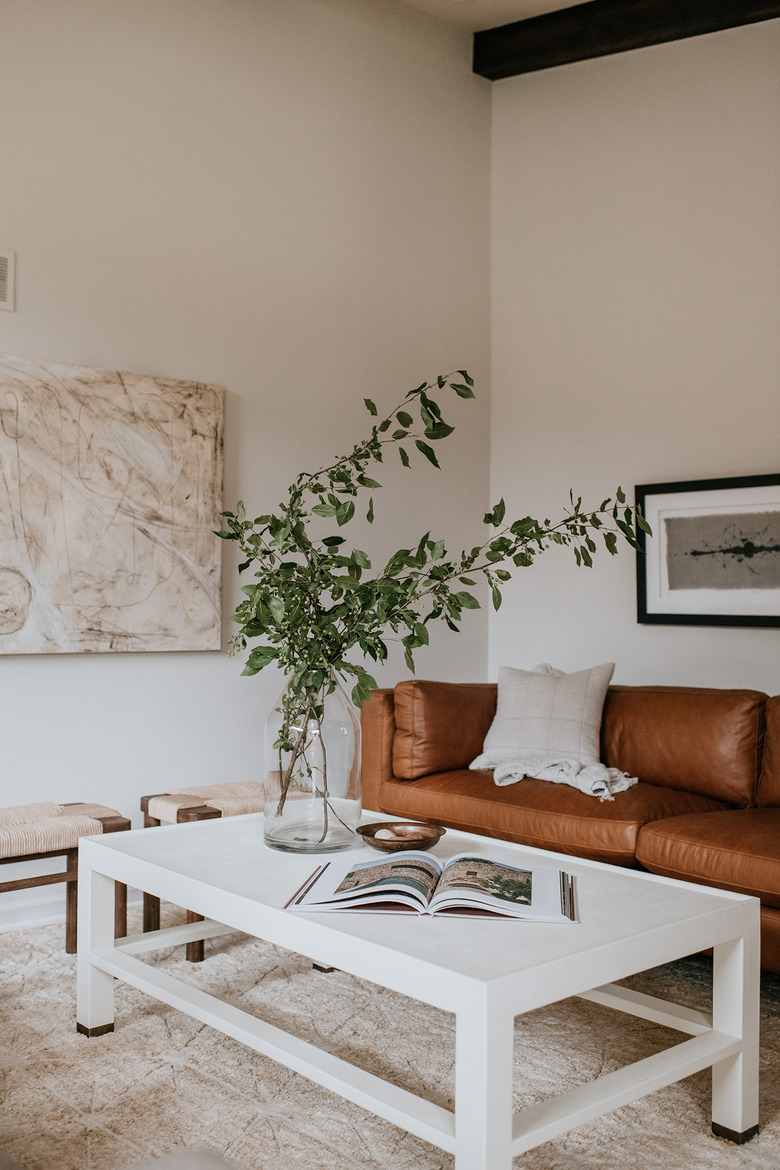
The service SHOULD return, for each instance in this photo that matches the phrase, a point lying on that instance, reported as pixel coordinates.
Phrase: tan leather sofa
(706, 808)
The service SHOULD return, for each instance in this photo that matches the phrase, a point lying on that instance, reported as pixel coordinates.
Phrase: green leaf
(324, 510)
(366, 481)
(404, 457)
(370, 407)
(462, 391)
(466, 600)
(370, 512)
(427, 451)
(332, 541)
(439, 431)
(345, 513)
(259, 658)
(404, 419)
(496, 597)
(466, 377)
(620, 496)
(421, 633)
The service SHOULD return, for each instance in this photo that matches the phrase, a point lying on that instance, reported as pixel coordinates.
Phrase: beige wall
(287, 197)
(636, 300)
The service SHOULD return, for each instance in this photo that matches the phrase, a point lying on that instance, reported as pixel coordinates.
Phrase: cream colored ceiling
(479, 14)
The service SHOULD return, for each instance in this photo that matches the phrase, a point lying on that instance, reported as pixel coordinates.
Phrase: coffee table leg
(95, 989)
(483, 1088)
(735, 1010)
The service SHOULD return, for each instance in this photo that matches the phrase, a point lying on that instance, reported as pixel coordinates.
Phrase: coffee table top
(628, 920)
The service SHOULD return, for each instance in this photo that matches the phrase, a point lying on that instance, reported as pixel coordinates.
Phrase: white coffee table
(485, 972)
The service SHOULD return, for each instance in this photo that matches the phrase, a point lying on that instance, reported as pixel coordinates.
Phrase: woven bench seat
(29, 832)
(200, 803)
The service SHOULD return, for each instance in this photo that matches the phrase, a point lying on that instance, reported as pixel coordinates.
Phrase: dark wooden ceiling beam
(601, 27)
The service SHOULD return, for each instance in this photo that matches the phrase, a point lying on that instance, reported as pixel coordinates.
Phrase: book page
(408, 871)
(479, 875)
(411, 876)
(471, 883)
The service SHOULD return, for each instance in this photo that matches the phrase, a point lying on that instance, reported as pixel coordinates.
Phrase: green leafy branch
(312, 600)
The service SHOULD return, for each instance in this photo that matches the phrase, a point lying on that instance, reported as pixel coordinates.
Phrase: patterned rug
(163, 1082)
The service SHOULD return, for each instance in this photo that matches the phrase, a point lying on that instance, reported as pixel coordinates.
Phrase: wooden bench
(29, 832)
(200, 803)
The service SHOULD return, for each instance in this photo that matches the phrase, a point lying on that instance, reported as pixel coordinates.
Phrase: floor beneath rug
(164, 1083)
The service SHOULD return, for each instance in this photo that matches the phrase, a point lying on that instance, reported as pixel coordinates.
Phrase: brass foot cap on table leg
(734, 1135)
(99, 1031)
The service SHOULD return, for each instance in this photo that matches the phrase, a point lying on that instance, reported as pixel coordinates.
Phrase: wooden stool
(32, 831)
(204, 803)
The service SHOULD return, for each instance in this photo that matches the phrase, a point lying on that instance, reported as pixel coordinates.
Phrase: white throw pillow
(547, 711)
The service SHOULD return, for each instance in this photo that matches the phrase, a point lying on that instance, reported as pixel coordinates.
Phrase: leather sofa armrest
(377, 720)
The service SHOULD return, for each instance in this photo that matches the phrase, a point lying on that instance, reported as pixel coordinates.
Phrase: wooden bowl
(405, 835)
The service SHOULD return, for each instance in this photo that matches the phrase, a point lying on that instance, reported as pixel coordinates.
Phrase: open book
(413, 882)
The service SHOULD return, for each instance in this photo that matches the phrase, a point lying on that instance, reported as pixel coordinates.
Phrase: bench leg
(151, 913)
(195, 950)
(120, 910)
(71, 903)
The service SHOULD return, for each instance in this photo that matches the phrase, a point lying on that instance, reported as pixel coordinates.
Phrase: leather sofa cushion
(538, 813)
(439, 726)
(738, 849)
(703, 740)
(769, 781)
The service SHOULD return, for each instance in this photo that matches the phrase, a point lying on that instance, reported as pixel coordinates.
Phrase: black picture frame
(714, 556)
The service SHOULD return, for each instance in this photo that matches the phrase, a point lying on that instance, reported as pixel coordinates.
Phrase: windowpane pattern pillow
(546, 711)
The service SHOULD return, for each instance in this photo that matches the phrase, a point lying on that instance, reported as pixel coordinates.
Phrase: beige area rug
(162, 1082)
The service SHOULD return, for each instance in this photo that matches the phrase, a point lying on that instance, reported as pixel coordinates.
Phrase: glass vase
(312, 770)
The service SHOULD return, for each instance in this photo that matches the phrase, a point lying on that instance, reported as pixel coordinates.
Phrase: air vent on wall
(7, 274)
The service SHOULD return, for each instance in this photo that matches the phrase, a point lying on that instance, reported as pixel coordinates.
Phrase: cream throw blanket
(592, 779)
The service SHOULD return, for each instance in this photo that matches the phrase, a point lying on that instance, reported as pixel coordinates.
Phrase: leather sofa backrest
(697, 739)
(440, 726)
(769, 781)
(703, 740)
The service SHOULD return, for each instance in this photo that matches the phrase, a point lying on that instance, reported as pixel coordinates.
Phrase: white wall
(287, 197)
(636, 299)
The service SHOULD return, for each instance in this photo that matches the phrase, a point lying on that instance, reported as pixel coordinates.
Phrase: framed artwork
(110, 491)
(714, 556)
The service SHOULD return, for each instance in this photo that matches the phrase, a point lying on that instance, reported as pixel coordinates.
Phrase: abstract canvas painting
(110, 491)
